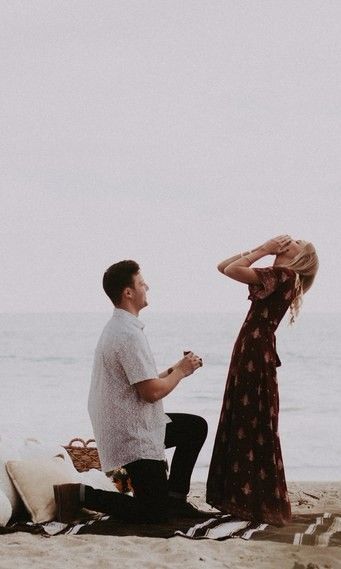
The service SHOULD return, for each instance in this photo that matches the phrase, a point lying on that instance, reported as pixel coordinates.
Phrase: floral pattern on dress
(246, 476)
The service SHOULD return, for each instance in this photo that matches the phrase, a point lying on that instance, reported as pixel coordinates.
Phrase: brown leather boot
(68, 503)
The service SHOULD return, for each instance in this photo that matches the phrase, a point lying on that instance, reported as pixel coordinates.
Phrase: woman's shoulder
(284, 273)
(275, 271)
(271, 279)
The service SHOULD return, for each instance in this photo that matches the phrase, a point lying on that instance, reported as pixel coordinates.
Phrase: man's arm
(154, 389)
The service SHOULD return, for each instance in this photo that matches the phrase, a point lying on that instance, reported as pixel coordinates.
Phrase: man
(129, 424)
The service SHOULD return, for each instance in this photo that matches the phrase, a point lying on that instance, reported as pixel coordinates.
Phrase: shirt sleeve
(269, 281)
(136, 358)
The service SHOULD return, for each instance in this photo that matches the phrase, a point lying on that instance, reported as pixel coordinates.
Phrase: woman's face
(294, 248)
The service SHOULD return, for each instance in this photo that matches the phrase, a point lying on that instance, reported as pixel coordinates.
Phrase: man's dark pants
(187, 433)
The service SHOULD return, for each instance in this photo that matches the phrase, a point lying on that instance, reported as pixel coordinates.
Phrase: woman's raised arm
(238, 267)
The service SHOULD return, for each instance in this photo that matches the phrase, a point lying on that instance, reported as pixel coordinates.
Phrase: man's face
(139, 291)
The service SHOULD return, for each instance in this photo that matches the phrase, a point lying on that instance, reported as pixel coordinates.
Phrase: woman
(246, 476)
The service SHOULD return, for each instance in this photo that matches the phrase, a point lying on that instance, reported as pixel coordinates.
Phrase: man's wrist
(179, 373)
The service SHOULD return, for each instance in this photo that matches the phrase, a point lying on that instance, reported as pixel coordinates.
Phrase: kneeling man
(129, 424)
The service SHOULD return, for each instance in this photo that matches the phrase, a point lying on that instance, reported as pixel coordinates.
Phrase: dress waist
(262, 333)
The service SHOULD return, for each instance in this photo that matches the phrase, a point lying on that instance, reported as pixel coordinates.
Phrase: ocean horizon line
(152, 311)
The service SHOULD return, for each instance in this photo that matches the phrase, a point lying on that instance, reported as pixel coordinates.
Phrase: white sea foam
(46, 363)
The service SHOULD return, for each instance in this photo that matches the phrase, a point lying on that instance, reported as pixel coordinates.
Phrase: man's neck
(128, 308)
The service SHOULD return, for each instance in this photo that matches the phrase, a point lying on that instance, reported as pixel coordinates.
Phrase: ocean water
(46, 360)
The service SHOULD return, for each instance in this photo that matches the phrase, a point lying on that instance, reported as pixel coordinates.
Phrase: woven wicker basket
(83, 455)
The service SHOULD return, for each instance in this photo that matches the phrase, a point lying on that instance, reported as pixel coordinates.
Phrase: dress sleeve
(269, 281)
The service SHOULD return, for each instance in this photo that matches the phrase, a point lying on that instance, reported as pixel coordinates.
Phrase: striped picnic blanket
(319, 529)
(306, 529)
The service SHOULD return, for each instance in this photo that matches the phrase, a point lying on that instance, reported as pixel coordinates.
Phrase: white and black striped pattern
(320, 530)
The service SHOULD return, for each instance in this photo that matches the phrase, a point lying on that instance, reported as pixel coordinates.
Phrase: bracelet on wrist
(250, 258)
(244, 254)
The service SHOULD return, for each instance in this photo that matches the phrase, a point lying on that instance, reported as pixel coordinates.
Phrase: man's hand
(189, 364)
(153, 389)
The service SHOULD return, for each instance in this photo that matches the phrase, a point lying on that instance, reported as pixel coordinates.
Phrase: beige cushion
(14, 447)
(33, 448)
(6, 485)
(5, 509)
(34, 480)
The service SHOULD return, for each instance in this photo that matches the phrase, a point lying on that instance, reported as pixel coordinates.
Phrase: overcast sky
(172, 132)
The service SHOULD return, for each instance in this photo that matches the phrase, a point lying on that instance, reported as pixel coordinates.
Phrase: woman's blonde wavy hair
(305, 265)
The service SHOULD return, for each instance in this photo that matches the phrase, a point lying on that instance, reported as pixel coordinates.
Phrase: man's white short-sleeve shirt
(126, 427)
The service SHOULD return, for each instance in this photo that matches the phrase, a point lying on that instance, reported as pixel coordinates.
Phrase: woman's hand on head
(277, 245)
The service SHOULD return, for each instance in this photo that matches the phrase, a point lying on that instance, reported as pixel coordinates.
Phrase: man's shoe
(178, 508)
(68, 503)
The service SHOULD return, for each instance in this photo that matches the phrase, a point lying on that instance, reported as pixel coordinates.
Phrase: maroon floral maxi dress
(246, 476)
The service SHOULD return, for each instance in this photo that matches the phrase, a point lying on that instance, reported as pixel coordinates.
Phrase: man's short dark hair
(118, 277)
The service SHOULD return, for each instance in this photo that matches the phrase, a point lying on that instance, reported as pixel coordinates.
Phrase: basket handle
(84, 443)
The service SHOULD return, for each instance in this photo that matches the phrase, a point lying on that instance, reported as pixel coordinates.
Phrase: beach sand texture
(22, 550)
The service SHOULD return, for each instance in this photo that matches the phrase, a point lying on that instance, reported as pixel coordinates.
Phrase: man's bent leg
(150, 485)
(149, 504)
(114, 504)
(187, 433)
(70, 498)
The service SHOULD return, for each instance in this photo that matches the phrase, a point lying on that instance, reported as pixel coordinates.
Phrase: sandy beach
(22, 550)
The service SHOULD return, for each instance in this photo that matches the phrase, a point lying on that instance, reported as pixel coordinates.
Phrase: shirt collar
(128, 317)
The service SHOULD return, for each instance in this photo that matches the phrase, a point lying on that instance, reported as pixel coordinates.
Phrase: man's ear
(128, 293)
